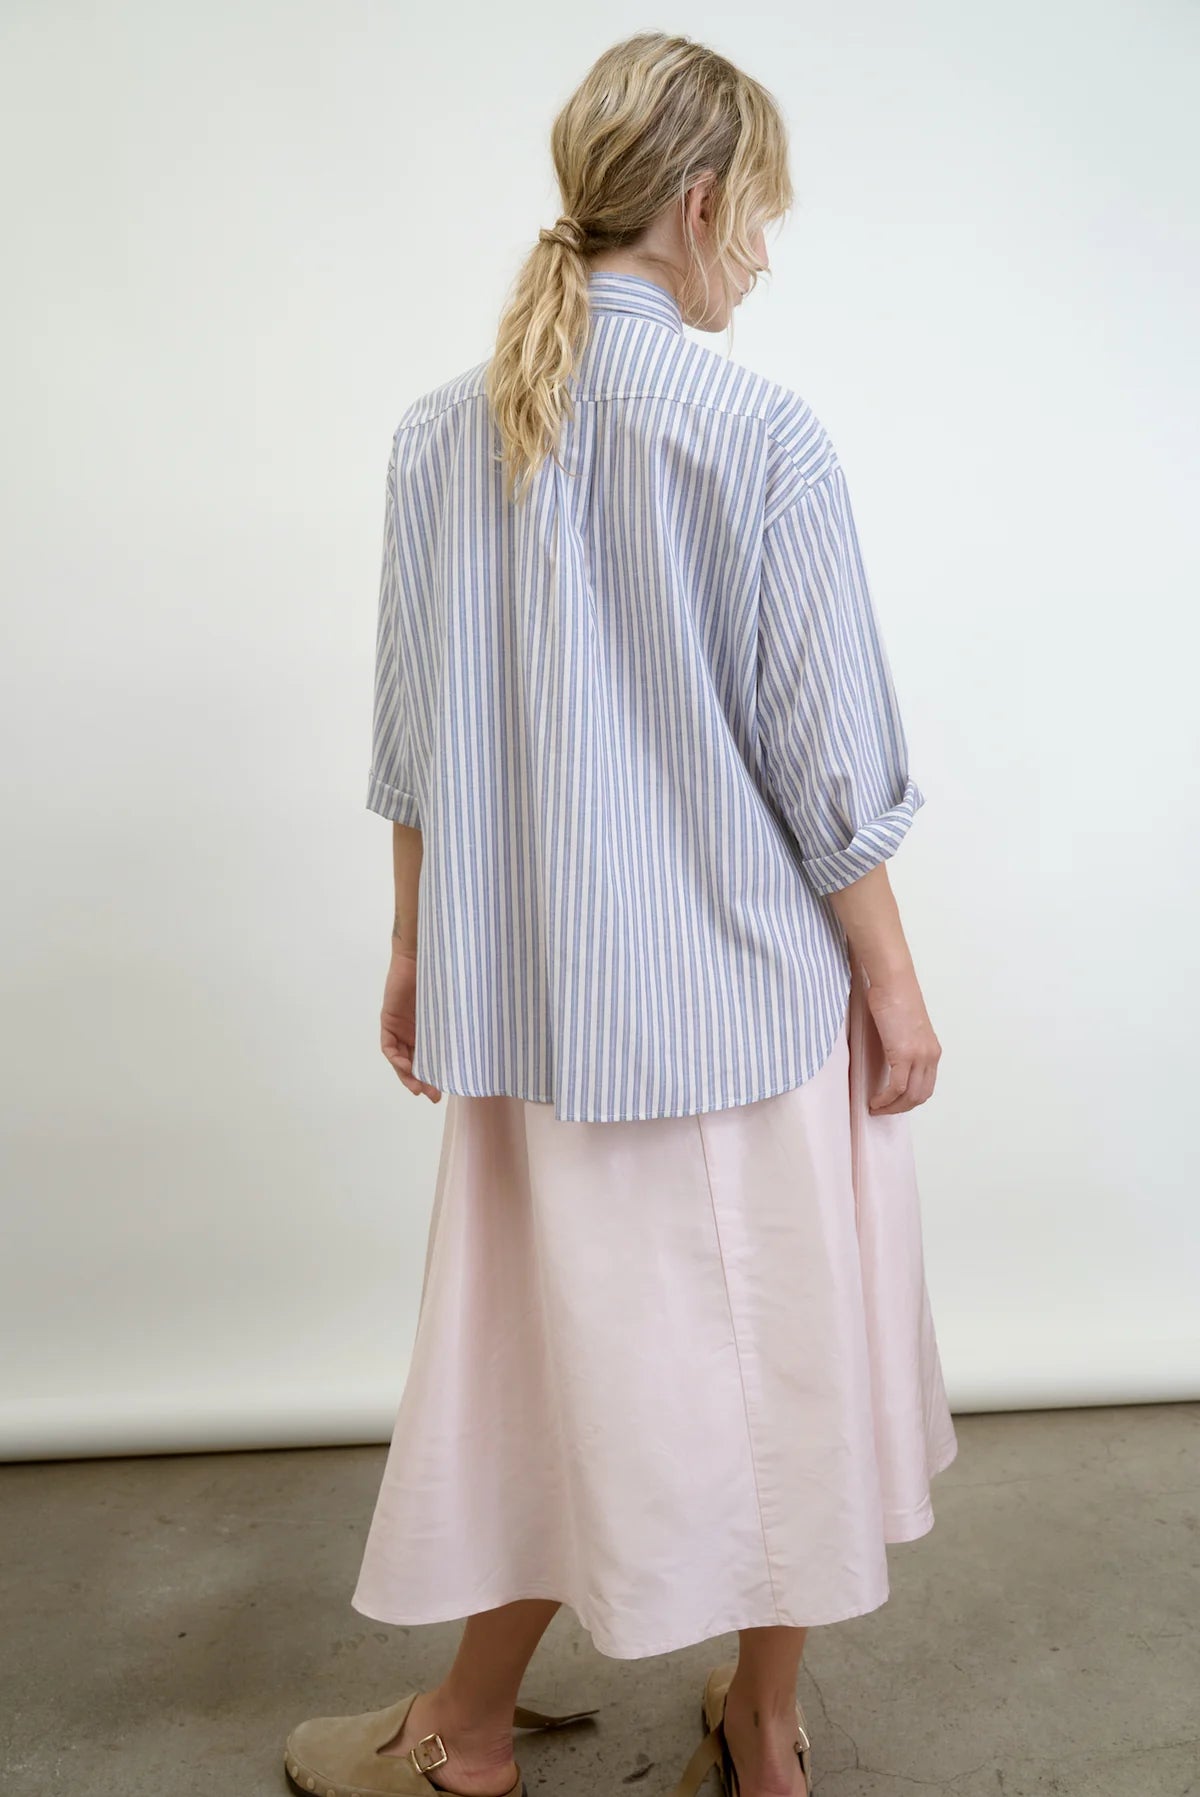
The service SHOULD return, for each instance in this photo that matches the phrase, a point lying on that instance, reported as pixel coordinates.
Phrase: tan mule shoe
(340, 1756)
(714, 1749)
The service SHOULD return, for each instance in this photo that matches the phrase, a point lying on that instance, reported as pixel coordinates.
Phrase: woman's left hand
(398, 1022)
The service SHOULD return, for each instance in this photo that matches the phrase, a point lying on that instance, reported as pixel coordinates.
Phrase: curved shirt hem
(566, 1114)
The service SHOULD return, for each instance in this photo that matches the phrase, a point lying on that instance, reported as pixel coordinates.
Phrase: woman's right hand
(911, 1049)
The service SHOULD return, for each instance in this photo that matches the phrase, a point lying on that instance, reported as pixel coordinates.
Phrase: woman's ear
(698, 202)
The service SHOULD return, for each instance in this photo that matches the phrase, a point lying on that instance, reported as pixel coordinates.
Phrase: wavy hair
(652, 114)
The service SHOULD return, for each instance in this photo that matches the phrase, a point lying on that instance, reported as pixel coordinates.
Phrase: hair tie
(567, 233)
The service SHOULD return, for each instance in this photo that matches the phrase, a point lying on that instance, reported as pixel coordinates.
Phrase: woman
(638, 739)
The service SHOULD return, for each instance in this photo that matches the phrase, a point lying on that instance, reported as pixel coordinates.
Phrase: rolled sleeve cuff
(392, 801)
(870, 844)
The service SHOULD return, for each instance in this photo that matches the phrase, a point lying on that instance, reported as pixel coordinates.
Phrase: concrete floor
(167, 1619)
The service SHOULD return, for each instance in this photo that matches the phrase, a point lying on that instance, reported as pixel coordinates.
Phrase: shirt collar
(613, 291)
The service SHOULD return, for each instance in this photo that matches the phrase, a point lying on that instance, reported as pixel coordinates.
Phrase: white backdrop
(240, 239)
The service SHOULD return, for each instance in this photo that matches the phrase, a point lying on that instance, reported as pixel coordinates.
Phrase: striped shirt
(645, 722)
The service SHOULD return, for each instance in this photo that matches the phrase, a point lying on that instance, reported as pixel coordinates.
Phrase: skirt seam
(762, 1521)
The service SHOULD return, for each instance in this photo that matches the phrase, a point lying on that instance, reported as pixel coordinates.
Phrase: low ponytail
(650, 116)
(541, 335)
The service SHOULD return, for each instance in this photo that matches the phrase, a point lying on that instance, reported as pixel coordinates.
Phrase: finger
(929, 1073)
(401, 1060)
(920, 1085)
(896, 1087)
(915, 1092)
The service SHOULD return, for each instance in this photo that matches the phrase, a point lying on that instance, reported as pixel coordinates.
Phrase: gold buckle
(428, 1765)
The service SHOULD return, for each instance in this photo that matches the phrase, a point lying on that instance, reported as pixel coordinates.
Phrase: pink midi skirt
(679, 1373)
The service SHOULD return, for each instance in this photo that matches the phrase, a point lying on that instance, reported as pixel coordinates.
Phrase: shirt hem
(422, 1071)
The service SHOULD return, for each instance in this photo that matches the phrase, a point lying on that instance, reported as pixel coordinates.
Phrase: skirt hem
(910, 1525)
(624, 1650)
(900, 1526)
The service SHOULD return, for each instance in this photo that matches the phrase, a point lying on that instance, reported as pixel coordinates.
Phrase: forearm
(407, 850)
(874, 934)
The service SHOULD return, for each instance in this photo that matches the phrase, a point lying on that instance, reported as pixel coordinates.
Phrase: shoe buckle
(804, 1741)
(425, 1762)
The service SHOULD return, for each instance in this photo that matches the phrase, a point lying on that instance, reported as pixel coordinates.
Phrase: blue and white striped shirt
(645, 722)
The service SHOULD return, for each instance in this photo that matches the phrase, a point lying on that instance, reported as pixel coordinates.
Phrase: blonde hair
(652, 114)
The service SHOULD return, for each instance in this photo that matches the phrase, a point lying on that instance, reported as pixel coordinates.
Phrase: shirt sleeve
(390, 785)
(832, 742)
